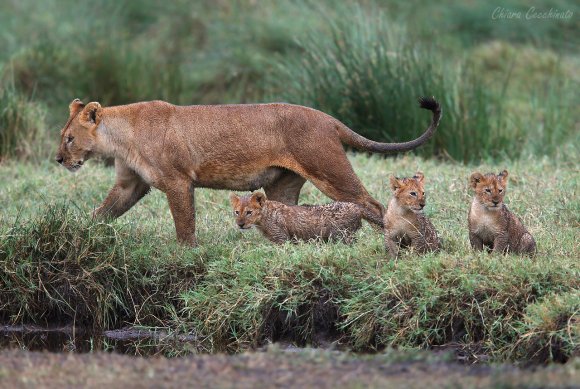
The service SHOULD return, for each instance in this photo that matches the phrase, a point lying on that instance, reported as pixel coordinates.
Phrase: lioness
(237, 147)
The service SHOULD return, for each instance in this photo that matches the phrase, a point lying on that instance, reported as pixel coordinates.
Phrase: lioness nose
(59, 159)
(495, 202)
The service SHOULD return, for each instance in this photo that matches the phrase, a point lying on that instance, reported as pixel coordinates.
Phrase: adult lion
(237, 147)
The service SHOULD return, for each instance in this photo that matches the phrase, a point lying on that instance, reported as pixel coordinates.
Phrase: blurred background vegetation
(509, 87)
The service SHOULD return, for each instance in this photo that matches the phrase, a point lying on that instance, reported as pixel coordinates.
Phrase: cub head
(409, 192)
(78, 135)
(490, 188)
(248, 209)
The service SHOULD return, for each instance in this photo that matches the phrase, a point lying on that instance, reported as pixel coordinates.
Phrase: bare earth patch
(308, 368)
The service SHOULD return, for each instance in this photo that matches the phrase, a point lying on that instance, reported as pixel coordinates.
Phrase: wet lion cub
(491, 224)
(405, 223)
(280, 222)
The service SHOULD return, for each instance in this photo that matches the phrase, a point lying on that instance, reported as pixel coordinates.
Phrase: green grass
(237, 291)
(508, 88)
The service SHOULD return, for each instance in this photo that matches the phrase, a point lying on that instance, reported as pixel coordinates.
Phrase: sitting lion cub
(405, 223)
(280, 222)
(491, 223)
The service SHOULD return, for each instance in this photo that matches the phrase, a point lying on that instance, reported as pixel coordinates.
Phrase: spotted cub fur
(491, 223)
(405, 224)
(280, 222)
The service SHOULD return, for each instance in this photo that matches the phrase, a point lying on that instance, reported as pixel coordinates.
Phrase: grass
(237, 291)
(368, 72)
(508, 88)
(22, 125)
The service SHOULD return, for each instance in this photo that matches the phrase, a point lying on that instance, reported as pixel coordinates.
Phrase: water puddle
(131, 341)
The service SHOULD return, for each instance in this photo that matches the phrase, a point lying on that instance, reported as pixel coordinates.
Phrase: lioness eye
(423, 193)
(248, 212)
(69, 139)
(414, 194)
(501, 190)
(487, 190)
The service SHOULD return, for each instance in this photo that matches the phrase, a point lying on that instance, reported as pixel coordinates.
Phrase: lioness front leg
(182, 205)
(128, 189)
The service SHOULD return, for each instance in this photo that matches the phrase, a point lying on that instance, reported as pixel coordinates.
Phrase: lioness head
(409, 192)
(248, 209)
(489, 189)
(78, 135)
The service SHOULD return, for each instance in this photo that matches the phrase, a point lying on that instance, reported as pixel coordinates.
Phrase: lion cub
(280, 222)
(405, 223)
(491, 223)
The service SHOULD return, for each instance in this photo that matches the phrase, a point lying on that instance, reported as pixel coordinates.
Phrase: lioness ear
(474, 179)
(234, 199)
(260, 198)
(91, 113)
(75, 106)
(395, 184)
(419, 176)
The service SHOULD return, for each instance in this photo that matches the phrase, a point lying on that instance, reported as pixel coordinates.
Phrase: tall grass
(22, 124)
(368, 72)
(364, 63)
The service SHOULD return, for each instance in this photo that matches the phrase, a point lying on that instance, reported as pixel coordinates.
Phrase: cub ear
(395, 183)
(474, 179)
(234, 199)
(75, 106)
(419, 176)
(503, 175)
(259, 198)
(91, 114)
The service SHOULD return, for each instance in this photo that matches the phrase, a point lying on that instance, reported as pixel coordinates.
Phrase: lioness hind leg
(286, 189)
(336, 179)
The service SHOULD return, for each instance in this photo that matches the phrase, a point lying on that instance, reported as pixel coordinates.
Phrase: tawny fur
(404, 223)
(491, 223)
(280, 223)
(237, 147)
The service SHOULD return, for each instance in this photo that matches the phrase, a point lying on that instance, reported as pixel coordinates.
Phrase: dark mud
(65, 356)
(130, 341)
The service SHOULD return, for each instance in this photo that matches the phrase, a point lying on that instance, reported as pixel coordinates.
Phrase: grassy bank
(237, 291)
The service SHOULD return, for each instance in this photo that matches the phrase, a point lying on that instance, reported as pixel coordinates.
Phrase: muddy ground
(304, 368)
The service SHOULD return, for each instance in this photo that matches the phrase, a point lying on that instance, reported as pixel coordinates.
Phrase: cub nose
(59, 159)
(495, 202)
(241, 225)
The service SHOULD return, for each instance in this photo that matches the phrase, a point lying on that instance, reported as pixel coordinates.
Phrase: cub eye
(487, 190)
(423, 193)
(237, 212)
(414, 194)
(69, 139)
(501, 190)
(248, 212)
